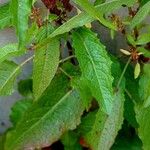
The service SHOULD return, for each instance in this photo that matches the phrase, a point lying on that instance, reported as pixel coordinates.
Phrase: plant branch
(66, 59)
(123, 72)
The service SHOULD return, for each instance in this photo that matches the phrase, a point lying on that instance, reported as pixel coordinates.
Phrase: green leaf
(70, 141)
(142, 2)
(92, 11)
(145, 52)
(5, 17)
(142, 115)
(20, 11)
(144, 85)
(141, 15)
(8, 71)
(98, 2)
(48, 122)
(95, 66)
(126, 143)
(8, 51)
(143, 39)
(25, 88)
(106, 127)
(19, 109)
(83, 18)
(137, 70)
(129, 113)
(46, 61)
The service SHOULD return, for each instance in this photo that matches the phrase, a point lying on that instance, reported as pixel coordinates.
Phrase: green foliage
(95, 66)
(5, 16)
(80, 95)
(141, 15)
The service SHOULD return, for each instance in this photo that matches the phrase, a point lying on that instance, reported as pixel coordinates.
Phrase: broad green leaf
(25, 88)
(143, 39)
(8, 71)
(106, 127)
(144, 85)
(83, 18)
(141, 15)
(92, 11)
(142, 116)
(42, 126)
(5, 16)
(8, 51)
(20, 11)
(46, 61)
(19, 109)
(95, 66)
(70, 141)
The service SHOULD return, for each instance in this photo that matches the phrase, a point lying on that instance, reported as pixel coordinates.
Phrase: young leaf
(92, 11)
(42, 126)
(5, 16)
(106, 127)
(8, 71)
(19, 109)
(144, 85)
(141, 15)
(20, 11)
(143, 39)
(83, 18)
(45, 66)
(8, 51)
(95, 66)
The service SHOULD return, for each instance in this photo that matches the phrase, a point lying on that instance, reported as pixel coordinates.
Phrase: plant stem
(63, 71)
(27, 60)
(123, 72)
(67, 58)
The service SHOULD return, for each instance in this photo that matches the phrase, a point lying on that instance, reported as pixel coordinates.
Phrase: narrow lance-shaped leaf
(45, 66)
(105, 128)
(143, 39)
(83, 18)
(100, 129)
(95, 66)
(9, 71)
(5, 16)
(141, 15)
(42, 126)
(92, 11)
(20, 11)
(8, 51)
